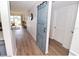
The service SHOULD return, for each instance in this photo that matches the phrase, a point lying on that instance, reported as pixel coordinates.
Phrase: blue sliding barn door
(42, 13)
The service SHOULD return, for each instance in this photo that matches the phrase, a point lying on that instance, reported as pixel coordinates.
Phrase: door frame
(5, 15)
(48, 25)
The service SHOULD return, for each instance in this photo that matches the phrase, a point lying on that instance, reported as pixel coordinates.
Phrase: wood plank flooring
(26, 45)
(56, 49)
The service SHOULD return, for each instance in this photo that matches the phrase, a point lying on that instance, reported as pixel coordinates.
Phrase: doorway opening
(23, 15)
(61, 27)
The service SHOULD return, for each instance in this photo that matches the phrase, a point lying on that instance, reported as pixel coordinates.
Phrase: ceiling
(22, 5)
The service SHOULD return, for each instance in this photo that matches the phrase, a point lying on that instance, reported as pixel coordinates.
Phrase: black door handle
(44, 29)
(72, 32)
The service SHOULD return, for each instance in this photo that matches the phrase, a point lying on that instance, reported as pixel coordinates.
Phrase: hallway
(25, 43)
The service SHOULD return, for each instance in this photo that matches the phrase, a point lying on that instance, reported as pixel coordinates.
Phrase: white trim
(65, 46)
(15, 53)
(5, 14)
(51, 37)
(48, 25)
(73, 53)
(61, 4)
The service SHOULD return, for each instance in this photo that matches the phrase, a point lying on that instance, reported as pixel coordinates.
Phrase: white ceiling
(22, 5)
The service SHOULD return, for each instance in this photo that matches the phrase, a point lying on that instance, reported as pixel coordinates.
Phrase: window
(15, 20)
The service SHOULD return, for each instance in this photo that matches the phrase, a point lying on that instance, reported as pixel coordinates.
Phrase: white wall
(74, 50)
(60, 17)
(32, 25)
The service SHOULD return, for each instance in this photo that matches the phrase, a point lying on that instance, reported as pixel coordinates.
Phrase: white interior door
(70, 24)
(59, 25)
(64, 22)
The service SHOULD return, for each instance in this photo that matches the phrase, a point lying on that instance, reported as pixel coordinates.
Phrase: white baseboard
(46, 52)
(73, 53)
(34, 37)
(65, 46)
(16, 52)
(51, 37)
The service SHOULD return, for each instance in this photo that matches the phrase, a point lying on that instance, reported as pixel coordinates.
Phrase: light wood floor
(26, 45)
(56, 49)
